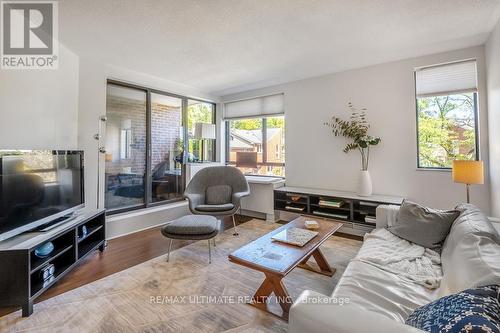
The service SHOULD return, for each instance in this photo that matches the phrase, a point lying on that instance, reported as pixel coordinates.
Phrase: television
(38, 187)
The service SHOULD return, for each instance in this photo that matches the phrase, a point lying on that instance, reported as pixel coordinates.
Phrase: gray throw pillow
(423, 226)
(218, 194)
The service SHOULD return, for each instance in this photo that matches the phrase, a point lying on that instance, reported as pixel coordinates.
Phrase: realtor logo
(29, 35)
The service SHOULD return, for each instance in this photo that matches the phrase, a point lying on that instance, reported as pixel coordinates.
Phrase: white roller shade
(446, 79)
(255, 107)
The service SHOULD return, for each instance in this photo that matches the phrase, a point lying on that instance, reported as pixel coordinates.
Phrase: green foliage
(276, 122)
(199, 113)
(446, 130)
(247, 124)
(256, 123)
(355, 129)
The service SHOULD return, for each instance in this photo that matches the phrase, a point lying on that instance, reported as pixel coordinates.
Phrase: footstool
(192, 227)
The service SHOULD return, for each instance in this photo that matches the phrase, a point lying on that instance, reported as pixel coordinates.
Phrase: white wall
(92, 104)
(493, 83)
(314, 158)
(39, 108)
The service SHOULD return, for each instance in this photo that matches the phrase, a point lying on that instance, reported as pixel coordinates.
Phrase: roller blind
(255, 107)
(446, 79)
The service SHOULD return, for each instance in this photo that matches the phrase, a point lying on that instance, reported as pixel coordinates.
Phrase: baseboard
(129, 223)
(251, 213)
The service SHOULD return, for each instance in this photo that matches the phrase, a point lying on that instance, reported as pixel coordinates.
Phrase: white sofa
(380, 301)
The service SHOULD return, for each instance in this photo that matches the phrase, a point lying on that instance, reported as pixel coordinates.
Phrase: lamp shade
(204, 131)
(468, 172)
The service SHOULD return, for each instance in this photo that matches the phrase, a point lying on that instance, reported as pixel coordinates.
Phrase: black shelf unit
(353, 210)
(20, 273)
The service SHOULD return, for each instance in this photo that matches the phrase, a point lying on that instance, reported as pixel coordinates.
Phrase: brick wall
(165, 131)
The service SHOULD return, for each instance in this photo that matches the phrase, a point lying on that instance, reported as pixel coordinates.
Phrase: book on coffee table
(294, 236)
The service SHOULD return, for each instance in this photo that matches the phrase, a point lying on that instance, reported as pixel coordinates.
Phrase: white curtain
(255, 107)
(446, 79)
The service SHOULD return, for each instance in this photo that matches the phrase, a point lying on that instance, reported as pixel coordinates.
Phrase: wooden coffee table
(276, 260)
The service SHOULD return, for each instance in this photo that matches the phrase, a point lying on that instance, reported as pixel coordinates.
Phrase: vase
(365, 184)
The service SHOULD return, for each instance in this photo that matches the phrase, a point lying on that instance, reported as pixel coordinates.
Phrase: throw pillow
(423, 226)
(473, 310)
(218, 194)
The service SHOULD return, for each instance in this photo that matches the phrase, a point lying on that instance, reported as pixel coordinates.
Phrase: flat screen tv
(38, 187)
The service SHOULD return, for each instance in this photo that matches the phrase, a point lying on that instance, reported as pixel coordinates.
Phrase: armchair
(217, 191)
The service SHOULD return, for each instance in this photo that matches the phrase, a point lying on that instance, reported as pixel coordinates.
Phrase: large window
(446, 114)
(145, 144)
(125, 157)
(265, 137)
(166, 148)
(201, 147)
(255, 135)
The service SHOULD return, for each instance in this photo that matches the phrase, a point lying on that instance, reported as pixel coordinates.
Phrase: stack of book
(331, 215)
(331, 203)
(370, 219)
(295, 208)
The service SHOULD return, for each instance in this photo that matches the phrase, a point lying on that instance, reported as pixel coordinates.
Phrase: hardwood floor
(120, 254)
(186, 294)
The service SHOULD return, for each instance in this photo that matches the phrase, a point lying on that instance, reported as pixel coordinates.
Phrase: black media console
(20, 269)
(357, 213)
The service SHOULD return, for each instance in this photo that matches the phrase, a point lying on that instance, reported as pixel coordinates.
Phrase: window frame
(263, 145)
(476, 129)
(148, 153)
(214, 122)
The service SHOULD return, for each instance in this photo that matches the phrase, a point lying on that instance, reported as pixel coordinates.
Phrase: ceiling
(226, 46)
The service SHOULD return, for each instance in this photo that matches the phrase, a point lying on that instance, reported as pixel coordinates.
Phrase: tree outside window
(200, 112)
(446, 129)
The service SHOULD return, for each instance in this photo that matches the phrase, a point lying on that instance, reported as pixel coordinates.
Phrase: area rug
(186, 294)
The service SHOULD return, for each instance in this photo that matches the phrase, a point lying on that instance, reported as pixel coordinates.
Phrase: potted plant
(356, 130)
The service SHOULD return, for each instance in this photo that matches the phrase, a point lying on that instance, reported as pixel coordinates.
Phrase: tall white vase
(365, 184)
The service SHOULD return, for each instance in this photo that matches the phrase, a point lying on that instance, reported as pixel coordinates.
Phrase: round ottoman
(192, 227)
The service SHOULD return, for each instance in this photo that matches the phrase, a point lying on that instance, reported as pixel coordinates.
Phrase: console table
(357, 213)
(20, 280)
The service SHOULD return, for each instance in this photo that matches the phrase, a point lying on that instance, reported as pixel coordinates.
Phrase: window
(256, 125)
(166, 179)
(201, 148)
(145, 144)
(259, 135)
(447, 126)
(125, 169)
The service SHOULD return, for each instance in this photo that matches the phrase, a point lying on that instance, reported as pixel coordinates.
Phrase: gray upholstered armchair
(217, 191)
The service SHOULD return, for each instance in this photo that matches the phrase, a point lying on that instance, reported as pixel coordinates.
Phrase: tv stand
(20, 281)
(355, 212)
(55, 223)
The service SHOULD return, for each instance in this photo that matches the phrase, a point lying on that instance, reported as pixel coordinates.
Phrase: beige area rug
(131, 300)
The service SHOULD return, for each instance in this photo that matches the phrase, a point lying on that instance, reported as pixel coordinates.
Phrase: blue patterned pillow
(474, 310)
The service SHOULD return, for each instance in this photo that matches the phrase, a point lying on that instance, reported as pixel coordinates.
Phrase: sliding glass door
(166, 148)
(125, 155)
(147, 145)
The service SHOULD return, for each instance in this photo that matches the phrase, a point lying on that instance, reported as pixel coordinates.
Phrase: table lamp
(468, 172)
(203, 131)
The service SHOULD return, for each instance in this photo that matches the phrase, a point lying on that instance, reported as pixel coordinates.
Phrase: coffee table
(276, 260)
